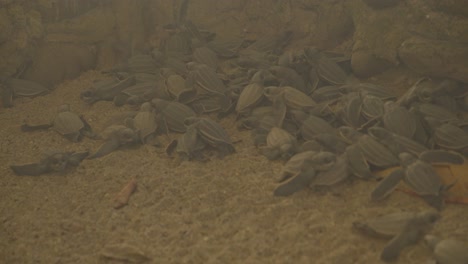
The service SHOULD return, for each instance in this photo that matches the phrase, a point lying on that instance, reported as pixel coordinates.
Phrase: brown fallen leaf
(121, 199)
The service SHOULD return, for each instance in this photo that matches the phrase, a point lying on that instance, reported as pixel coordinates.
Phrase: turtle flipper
(29, 128)
(76, 158)
(87, 130)
(387, 185)
(32, 169)
(297, 183)
(357, 163)
(74, 137)
(106, 148)
(413, 231)
(436, 201)
(396, 245)
(442, 156)
(6, 94)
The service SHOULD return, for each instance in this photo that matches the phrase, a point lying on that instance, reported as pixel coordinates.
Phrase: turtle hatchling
(66, 123)
(56, 161)
(144, 123)
(448, 251)
(404, 229)
(115, 136)
(280, 144)
(189, 146)
(420, 175)
(212, 134)
(300, 171)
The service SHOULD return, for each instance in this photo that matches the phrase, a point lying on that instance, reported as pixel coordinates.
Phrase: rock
(435, 57)
(56, 62)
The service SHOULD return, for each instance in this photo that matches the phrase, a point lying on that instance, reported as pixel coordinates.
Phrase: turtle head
(379, 133)
(191, 120)
(146, 107)
(406, 158)
(299, 116)
(64, 108)
(322, 161)
(433, 122)
(431, 241)
(159, 104)
(272, 91)
(57, 161)
(127, 135)
(349, 134)
(263, 77)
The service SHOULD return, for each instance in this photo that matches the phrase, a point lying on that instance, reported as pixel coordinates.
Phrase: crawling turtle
(434, 111)
(144, 123)
(311, 125)
(135, 95)
(350, 110)
(334, 175)
(250, 96)
(115, 136)
(396, 143)
(204, 55)
(289, 77)
(449, 136)
(212, 134)
(404, 229)
(419, 174)
(367, 147)
(56, 161)
(179, 88)
(172, 114)
(372, 106)
(301, 170)
(206, 79)
(291, 97)
(188, 146)
(106, 90)
(12, 87)
(357, 163)
(448, 251)
(280, 144)
(413, 230)
(66, 123)
(327, 69)
(399, 120)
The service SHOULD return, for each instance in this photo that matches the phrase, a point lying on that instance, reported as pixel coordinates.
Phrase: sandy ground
(222, 211)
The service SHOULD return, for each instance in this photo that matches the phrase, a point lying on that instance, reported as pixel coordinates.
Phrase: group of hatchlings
(301, 105)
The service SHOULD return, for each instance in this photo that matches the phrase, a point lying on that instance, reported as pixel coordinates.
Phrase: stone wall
(52, 40)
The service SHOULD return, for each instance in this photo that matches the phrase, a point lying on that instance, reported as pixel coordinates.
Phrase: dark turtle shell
(250, 96)
(145, 122)
(173, 114)
(421, 176)
(376, 153)
(68, 124)
(399, 120)
(313, 126)
(212, 133)
(280, 143)
(26, 88)
(204, 55)
(207, 79)
(451, 137)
